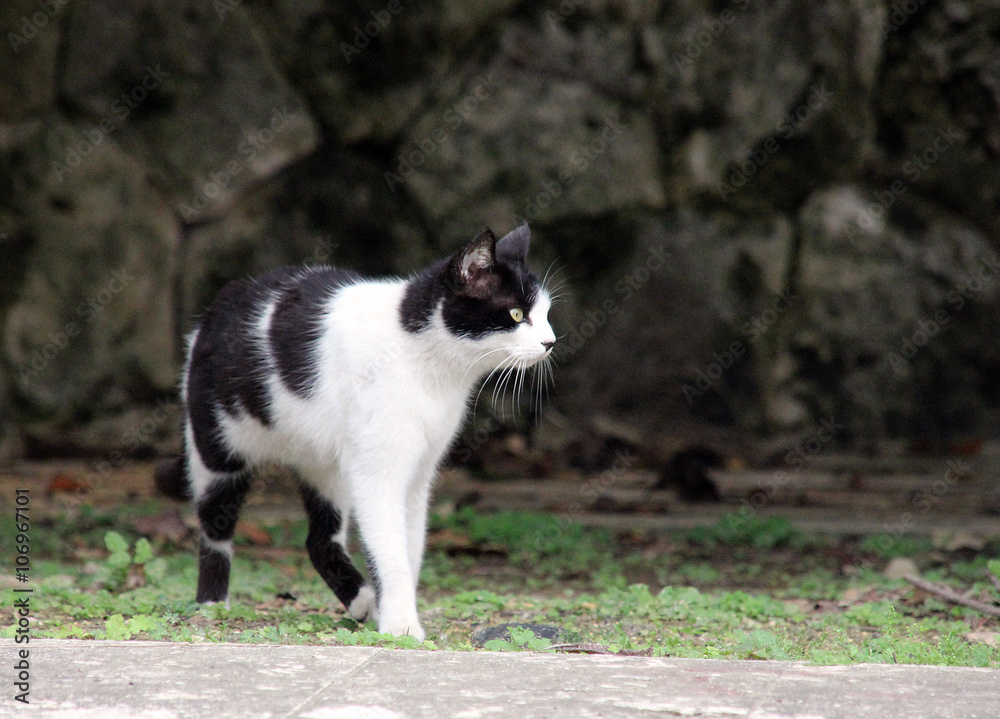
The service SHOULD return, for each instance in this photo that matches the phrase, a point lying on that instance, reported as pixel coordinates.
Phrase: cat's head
(494, 300)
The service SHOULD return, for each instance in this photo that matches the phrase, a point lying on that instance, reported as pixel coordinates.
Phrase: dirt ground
(834, 493)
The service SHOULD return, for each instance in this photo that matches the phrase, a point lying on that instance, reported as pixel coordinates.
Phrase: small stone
(956, 540)
(481, 636)
(963, 540)
(900, 567)
(987, 638)
(852, 594)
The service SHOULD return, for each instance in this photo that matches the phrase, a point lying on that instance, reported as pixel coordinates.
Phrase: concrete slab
(157, 680)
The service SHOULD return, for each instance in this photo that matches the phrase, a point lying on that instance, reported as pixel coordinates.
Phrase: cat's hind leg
(218, 495)
(326, 544)
(218, 507)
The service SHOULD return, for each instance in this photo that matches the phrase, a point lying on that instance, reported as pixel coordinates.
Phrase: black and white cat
(360, 385)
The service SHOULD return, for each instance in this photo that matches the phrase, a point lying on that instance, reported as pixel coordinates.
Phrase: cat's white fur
(387, 405)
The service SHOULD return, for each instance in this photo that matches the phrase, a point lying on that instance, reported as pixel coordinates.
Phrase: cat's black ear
(513, 248)
(470, 271)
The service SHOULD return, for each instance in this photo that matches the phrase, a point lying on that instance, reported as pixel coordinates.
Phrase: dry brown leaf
(168, 525)
(254, 533)
(66, 483)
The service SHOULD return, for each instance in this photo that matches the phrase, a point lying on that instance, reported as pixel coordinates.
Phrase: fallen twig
(994, 580)
(581, 648)
(598, 649)
(952, 596)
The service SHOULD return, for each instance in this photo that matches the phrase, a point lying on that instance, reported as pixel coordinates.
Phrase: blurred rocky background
(765, 216)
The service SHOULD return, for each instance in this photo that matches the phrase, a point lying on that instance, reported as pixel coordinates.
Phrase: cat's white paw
(208, 604)
(364, 606)
(401, 627)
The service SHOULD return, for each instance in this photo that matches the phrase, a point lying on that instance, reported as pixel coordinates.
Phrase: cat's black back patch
(228, 367)
(297, 324)
(227, 371)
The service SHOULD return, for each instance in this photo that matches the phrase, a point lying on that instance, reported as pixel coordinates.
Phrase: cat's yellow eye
(518, 314)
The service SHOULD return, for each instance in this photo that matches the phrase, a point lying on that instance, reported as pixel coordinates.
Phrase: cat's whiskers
(548, 270)
(496, 384)
(487, 379)
(483, 356)
(517, 386)
(534, 394)
(515, 390)
(523, 377)
(552, 270)
(554, 292)
(540, 376)
(502, 384)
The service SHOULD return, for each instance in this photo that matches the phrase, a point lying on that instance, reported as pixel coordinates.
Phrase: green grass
(744, 589)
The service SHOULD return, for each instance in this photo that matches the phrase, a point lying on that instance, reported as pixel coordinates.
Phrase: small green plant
(531, 538)
(370, 638)
(746, 528)
(122, 563)
(118, 628)
(890, 546)
(521, 638)
(993, 566)
(760, 644)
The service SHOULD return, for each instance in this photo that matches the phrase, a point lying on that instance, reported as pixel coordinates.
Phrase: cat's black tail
(171, 478)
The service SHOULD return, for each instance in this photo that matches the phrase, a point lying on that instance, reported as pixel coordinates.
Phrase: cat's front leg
(380, 502)
(416, 519)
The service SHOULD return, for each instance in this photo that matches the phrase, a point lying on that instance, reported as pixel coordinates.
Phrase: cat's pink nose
(548, 345)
